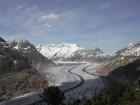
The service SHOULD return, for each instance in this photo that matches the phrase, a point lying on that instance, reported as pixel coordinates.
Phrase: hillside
(30, 52)
(17, 75)
(126, 74)
(122, 57)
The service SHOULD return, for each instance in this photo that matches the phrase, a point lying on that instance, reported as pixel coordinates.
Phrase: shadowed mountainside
(17, 75)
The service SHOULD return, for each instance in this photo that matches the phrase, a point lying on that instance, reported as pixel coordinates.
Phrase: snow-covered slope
(70, 52)
(53, 51)
(133, 49)
(127, 54)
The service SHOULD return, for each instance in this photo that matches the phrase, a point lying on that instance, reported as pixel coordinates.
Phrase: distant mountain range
(57, 51)
(71, 52)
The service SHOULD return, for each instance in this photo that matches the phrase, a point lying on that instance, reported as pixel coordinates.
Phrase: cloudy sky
(107, 24)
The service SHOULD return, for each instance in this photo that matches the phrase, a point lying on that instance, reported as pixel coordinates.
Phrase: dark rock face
(2, 40)
(126, 74)
(6, 64)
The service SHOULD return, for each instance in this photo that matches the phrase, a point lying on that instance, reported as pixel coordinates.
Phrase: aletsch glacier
(79, 80)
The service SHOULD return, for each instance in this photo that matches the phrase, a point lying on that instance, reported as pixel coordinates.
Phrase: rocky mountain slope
(17, 75)
(30, 52)
(12, 57)
(122, 57)
(71, 52)
(126, 74)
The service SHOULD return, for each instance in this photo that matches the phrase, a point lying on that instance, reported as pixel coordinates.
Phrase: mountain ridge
(30, 52)
(70, 52)
(121, 57)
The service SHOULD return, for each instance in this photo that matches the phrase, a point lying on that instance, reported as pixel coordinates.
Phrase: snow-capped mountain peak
(21, 44)
(57, 50)
(132, 50)
(69, 52)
